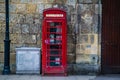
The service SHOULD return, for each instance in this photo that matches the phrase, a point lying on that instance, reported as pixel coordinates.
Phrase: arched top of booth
(54, 13)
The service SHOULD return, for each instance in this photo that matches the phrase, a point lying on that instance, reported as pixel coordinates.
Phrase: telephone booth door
(54, 43)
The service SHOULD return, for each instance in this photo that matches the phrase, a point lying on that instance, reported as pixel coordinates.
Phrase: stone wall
(82, 34)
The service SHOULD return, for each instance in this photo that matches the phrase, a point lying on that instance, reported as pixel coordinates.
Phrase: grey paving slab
(38, 77)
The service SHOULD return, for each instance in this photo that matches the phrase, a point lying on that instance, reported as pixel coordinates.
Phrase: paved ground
(78, 77)
(108, 77)
(38, 77)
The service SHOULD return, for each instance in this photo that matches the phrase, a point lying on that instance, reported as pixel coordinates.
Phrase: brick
(21, 8)
(31, 8)
(2, 47)
(12, 8)
(2, 7)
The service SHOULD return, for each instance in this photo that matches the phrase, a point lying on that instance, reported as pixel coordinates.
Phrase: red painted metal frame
(47, 69)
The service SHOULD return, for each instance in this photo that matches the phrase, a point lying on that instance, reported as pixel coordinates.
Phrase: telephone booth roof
(54, 13)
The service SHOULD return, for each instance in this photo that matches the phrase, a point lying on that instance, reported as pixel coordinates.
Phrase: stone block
(13, 18)
(85, 29)
(15, 1)
(2, 17)
(73, 18)
(16, 28)
(29, 18)
(80, 49)
(70, 38)
(82, 58)
(14, 45)
(82, 39)
(70, 48)
(48, 6)
(25, 28)
(87, 1)
(24, 1)
(21, 18)
(2, 7)
(1, 57)
(21, 8)
(70, 58)
(91, 39)
(14, 38)
(2, 0)
(2, 37)
(40, 8)
(1, 47)
(2, 28)
(34, 28)
(12, 8)
(50, 1)
(31, 8)
(87, 49)
(28, 38)
(71, 2)
(70, 29)
(12, 58)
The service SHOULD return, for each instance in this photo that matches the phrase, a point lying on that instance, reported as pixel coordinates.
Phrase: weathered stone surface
(2, 0)
(31, 8)
(82, 58)
(14, 38)
(24, 1)
(70, 48)
(16, 28)
(1, 58)
(15, 1)
(12, 58)
(2, 7)
(50, 1)
(70, 58)
(12, 8)
(40, 8)
(85, 29)
(25, 28)
(2, 17)
(71, 2)
(70, 39)
(21, 8)
(21, 18)
(28, 38)
(35, 28)
(1, 47)
(48, 6)
(73, 18)
(83, 39)
(80, 49)
(13, 18)
(29, 18)
(2, 37)
(94, 26)
(87, 49)
(91, 39)
(2, 28)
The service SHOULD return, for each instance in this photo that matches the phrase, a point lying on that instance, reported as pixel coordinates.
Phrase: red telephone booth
(54, 45)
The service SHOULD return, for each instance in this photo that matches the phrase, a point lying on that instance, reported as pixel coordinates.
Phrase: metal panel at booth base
(27, 60)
